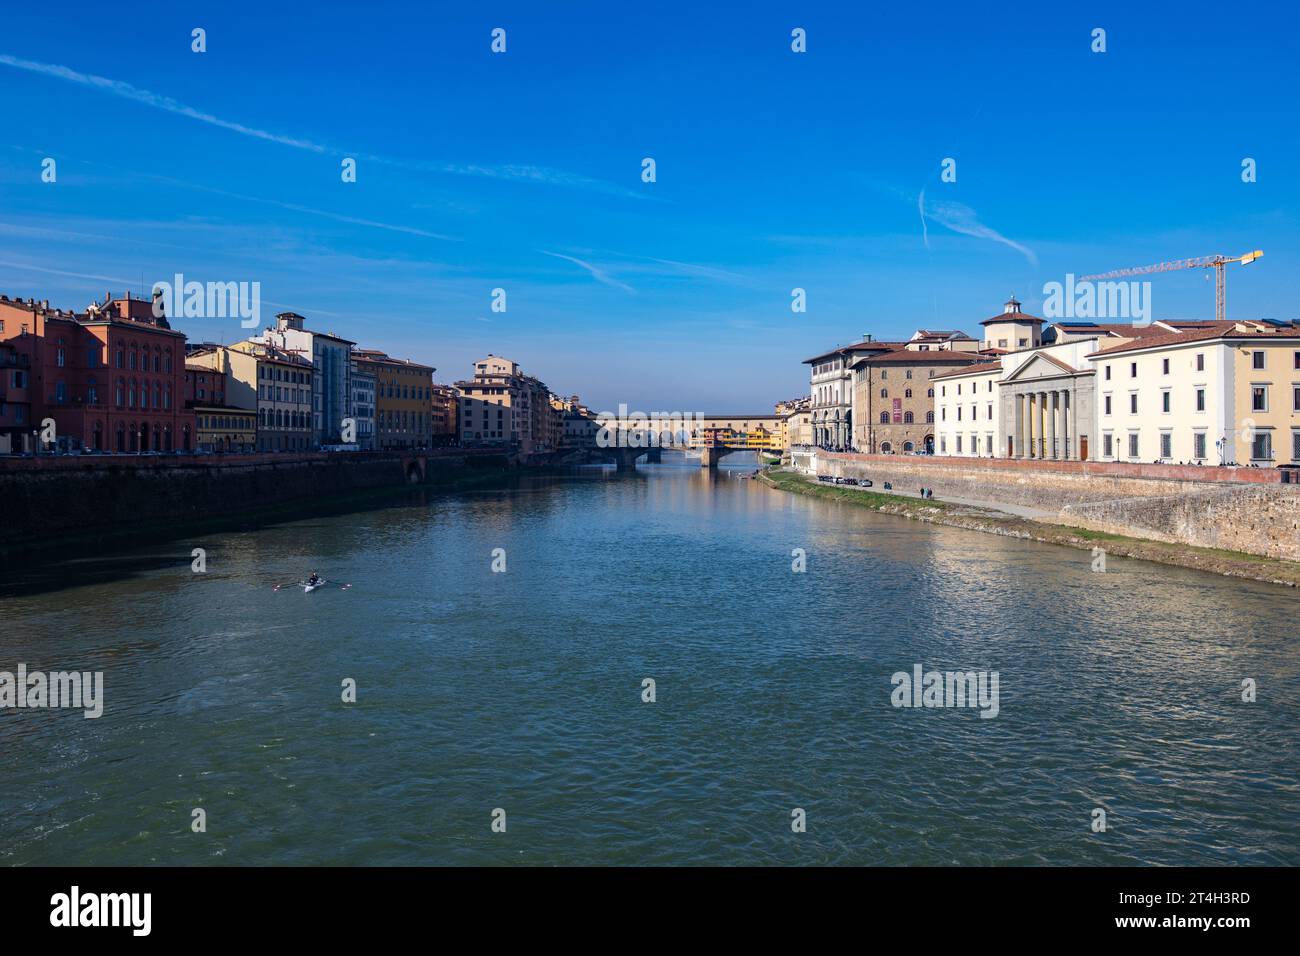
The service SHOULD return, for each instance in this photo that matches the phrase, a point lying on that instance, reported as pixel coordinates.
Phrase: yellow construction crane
(1204, 262)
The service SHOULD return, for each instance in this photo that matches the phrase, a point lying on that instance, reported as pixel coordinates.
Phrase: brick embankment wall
(1237, 509)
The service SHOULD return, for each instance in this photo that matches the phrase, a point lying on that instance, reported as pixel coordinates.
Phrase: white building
(331, 359)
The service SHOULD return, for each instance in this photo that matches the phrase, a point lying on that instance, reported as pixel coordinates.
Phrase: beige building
(1206, 392)
(277, 384)
(797, 413)
(502, 406)
(894, 396)
(1011, 329)
(831, 400)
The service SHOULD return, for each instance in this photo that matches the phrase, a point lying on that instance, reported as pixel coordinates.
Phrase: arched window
(908, 446)
(884, 418)
(907, 418)
(929, 417)
(121, 394)
(907, 393)
(884, 393)
(261, 417)
(886, 447)
(929, 393)
(121, 437)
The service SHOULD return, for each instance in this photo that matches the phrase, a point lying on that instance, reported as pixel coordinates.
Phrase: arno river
(522, 691)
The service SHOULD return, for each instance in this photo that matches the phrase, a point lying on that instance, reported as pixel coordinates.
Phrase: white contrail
(962, 219)
(129, 92)
(598, 274)
(517, 173)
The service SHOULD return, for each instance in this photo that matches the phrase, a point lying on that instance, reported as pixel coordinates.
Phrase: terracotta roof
(872, 346)
(1215, 330)
(907, 356)
(973, 370)
(1012, 317)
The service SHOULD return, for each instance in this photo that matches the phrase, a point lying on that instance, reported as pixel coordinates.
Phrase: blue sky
(775, 170)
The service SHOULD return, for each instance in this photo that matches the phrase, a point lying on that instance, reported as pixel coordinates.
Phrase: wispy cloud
(962, 219)
(308, 210)
(596, 273)
(124, 90)
(157, 101)
(28, 267)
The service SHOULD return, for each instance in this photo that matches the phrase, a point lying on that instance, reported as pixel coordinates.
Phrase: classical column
(1029, 425)
(1032, 401)
(1051, 423)
(1018, 426)
(1065, 423)
(1045, 418)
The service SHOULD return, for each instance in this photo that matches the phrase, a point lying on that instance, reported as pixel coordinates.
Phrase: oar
(290, 584)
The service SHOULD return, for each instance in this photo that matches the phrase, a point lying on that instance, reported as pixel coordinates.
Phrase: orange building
(111, 378)
(403, 399)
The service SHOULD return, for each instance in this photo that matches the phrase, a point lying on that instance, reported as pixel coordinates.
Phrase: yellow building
(403, 399)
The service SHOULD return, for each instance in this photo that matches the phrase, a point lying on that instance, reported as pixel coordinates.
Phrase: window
(1107, 445)
(1133, 403)
(1198, 445)
(959, 444)
(884, 418)
(1164, 366)
(1295, 446)
(1132, 444)
(929, 418)
(909, 373)
(929, 393)
(1256, 359)
(1297, 354)
(907, 393)
(1133, 370)
(1164, 403)
(907, 418)
(884, 393)
(1259, 398)
(1200, 399)
(1108, 373)
(1002, 343)
(1166, 445)
(1106, 405)
(1200, 361)
(1023, 342)
(1261, 447)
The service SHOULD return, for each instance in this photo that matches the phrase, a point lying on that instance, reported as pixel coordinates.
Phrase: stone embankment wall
(43, 499)
(1237, 509)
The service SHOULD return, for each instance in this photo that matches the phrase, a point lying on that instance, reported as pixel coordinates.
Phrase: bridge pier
(625, 458)
(710, 455)
(654, 456)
